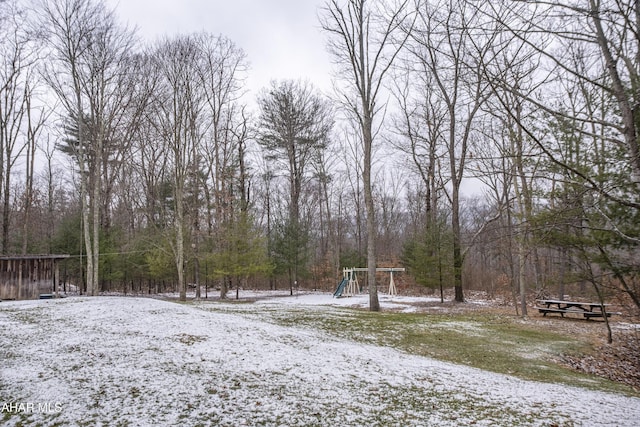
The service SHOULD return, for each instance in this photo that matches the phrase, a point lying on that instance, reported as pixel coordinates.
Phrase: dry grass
(618, 361)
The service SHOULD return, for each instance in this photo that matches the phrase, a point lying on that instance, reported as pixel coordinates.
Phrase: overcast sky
(282, 38)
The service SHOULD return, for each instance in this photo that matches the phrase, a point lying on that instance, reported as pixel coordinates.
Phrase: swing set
(349, 285)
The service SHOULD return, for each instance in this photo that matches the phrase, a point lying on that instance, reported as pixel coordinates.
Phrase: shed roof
(32, 257)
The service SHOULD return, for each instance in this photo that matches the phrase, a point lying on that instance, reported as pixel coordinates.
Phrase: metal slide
(340, 289)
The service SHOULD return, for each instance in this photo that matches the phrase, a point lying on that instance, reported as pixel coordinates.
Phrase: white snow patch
(387, 302)
(146, 362)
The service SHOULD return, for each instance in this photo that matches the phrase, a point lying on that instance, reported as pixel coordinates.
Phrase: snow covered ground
(396, 303)
(146, 362)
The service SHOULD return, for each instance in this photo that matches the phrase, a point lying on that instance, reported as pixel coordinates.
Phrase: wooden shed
(29, 276)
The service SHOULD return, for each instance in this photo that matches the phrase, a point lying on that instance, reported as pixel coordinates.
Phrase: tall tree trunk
(196, 275)
(374, 303)
(96, 209)
(456, 175)
(30, 165)
(521, 277)
(179, 248)
(620, 92)
(457, 243)
(84, 206)
(6, 208)
(366, 51)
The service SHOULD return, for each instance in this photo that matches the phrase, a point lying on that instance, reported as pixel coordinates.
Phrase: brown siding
(27, 277)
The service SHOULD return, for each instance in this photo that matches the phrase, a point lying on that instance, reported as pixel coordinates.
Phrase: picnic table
(588, 310)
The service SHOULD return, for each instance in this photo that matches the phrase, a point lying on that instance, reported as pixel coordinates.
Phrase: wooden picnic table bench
(588, 310)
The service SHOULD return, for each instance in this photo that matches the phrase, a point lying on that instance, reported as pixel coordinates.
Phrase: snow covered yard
(135, 361)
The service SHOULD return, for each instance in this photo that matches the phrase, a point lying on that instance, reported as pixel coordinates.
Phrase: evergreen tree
(291, 251)
(429, 257)
(243, 253)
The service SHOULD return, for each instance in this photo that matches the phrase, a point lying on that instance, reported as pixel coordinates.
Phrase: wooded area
(151, 166)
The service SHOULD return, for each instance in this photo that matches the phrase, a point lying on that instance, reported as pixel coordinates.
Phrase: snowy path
(145, 362)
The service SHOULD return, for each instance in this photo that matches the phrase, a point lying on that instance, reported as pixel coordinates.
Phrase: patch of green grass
(400, 404)
(501, 344)
(31, 317)
(188, 339)
(134, 392)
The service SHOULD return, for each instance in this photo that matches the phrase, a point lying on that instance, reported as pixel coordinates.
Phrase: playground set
(349, 285)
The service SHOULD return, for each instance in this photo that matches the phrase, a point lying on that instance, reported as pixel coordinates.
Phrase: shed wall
(26, 278)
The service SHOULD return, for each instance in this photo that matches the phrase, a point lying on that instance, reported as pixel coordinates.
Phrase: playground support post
(353, 286)
(392, 285)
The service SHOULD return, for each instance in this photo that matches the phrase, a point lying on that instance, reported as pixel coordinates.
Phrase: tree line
(152, 166)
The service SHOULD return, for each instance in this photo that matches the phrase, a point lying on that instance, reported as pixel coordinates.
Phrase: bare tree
(441, 43)
(588, 53)
(71, 24)
(17, 113)
(351, 150)
(508, 164)
(362, 39)
(89, 52)
(328, 218)
(52, 179)
(35, 121)
(222, 69)
(420, 125)
(179, 102)
(390, 213)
